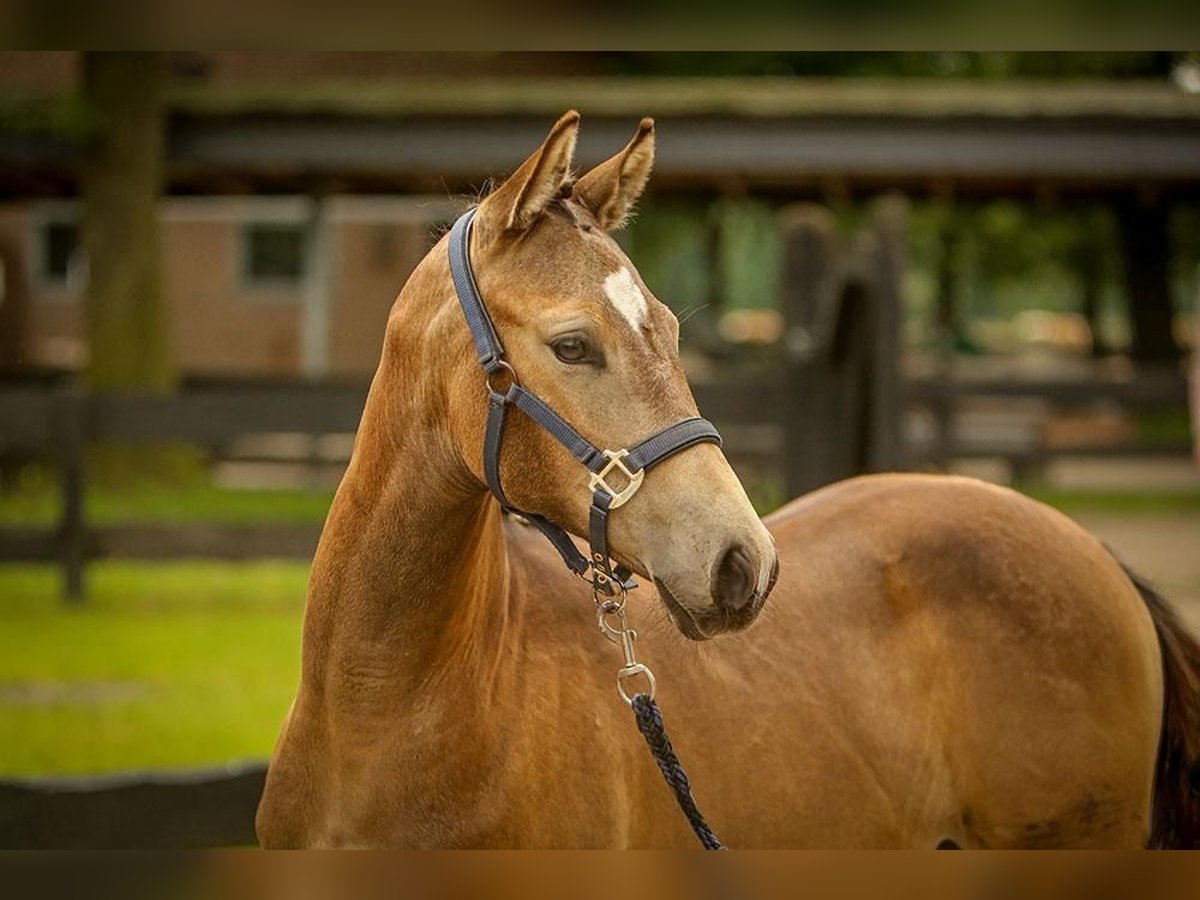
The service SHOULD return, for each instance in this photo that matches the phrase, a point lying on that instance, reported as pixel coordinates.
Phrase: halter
(630, 464)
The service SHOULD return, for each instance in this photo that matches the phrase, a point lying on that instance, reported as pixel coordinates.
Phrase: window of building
(60, 254)
(273, 254)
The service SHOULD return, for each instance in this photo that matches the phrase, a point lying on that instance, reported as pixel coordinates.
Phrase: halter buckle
(616, 460)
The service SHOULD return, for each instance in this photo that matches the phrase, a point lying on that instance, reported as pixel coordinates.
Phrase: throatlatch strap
(572, 558)
(483, 332)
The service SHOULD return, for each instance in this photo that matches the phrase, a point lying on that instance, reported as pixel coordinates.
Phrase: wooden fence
(60, 423)
(138, 810)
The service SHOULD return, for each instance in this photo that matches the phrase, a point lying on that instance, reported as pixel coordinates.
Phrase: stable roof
(785, 134)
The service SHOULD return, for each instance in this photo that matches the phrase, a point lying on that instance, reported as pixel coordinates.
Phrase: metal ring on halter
(512, 376)
(630, 672)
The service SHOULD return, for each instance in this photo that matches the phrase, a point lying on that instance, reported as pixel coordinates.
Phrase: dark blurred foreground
(584, 875)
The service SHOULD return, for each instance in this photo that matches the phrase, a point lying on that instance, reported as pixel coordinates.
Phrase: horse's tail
(1176, 823)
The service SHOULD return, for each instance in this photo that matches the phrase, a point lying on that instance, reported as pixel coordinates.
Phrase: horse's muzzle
(736, 601)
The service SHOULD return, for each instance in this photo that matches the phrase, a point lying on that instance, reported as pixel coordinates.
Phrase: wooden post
(807, 414)
(70, 410)
(14, 308)
(948, 300)
(318, 291)
(890, 226)
(1087, 259)
(943, 406)
(1146, 251)
(14, 304)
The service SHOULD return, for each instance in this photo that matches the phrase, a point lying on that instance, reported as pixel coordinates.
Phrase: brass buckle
(616, 460)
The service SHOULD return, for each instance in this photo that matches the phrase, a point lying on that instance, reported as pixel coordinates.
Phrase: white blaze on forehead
(623, 293)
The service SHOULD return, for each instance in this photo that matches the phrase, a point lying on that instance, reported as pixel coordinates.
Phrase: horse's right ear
(517, 203)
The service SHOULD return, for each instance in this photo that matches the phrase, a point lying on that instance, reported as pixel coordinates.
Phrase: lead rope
(614, 625)
(650, 724)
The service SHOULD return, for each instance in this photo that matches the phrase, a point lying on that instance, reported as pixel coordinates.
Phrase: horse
(942, 662)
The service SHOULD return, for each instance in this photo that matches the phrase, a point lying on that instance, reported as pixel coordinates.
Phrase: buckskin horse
(942, 663)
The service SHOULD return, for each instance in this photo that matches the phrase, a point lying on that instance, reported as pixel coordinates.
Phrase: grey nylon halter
(631, 463)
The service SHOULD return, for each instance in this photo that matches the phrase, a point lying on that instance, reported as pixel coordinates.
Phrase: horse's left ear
(612, 188)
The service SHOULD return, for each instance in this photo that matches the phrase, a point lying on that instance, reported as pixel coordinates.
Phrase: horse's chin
(703, 625)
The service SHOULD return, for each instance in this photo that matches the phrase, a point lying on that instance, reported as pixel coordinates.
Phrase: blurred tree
(748, 253)
(14, 304)
(127, 327)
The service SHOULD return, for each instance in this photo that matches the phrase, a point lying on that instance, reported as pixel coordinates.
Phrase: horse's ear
(518, 202)
(612, 188)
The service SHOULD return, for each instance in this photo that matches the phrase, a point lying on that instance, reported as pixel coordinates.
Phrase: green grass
(168, 665)
(37, 503)
(174, 665)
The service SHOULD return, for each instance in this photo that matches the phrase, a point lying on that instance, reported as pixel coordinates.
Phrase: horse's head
(586, 335)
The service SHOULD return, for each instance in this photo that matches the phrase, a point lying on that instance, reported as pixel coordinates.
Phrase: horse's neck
(411, 581)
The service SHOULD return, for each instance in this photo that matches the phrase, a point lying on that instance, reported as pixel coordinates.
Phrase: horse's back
(999, 646)
(963, 544)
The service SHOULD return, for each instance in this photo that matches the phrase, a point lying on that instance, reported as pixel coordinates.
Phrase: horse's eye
(571, 349)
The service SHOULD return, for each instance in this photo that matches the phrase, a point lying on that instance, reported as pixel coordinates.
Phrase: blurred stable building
(258, 287)
(301, 188)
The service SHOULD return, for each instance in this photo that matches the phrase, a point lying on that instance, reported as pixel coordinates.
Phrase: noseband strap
(629, 465)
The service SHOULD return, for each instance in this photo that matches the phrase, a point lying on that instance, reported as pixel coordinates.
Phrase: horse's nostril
(734, 579)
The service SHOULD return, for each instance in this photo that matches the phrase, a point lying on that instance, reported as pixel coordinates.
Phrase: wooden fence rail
(132, 811)
(59, 423)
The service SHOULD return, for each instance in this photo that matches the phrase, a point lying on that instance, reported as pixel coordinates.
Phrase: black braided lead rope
(650, 724)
